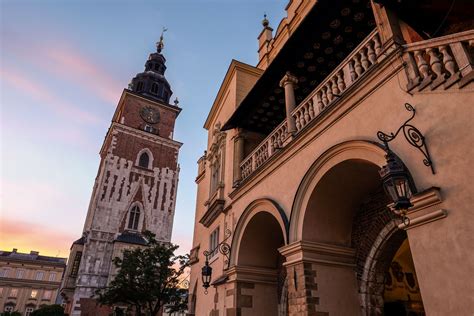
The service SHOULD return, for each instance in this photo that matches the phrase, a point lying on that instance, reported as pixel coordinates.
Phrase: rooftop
(33, 256)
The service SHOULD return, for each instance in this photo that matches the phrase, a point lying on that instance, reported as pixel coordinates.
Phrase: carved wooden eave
(320, 42)
(216, 206)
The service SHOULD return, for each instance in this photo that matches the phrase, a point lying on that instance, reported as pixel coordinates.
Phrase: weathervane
(160, 45)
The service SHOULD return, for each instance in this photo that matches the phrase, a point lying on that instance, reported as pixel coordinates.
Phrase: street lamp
(396, 183)
(206, 275)
(224, 248)
(396, 179)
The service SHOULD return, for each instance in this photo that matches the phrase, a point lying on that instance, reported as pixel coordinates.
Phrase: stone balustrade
(349, 71)
(444, 60)
(440, 61)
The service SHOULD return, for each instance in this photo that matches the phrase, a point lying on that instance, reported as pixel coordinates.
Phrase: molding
(214, 209)
(423, 211)
(252, 274)
(145, 135)
(233, 67)
(316, 252)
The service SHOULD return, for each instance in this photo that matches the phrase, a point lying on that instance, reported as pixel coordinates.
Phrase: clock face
(150, 115)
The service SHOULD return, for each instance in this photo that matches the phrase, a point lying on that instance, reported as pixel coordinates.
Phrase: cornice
(145, 135)
(317, 252)
(424, 209)
(233, 67)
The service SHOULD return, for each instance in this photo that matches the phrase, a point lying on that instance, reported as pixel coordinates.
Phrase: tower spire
(160, 45)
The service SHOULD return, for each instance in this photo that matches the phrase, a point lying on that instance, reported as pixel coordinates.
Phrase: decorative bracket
(223, 247)
(413, 136)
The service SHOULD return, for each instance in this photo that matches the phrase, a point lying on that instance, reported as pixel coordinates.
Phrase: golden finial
(160, 45)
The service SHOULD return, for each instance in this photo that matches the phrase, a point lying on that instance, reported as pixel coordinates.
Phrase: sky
(63, 67)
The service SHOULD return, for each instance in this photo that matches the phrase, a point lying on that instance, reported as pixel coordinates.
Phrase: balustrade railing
(348, 72)
(431, 63)
(443, 60)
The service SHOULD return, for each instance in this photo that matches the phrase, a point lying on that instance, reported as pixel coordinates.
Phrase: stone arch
(258, 206)
(357, 150)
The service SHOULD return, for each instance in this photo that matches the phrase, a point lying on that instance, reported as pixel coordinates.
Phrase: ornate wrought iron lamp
(224, 248)
(396, 179)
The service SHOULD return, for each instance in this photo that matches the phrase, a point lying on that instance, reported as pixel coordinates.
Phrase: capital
(288, 78)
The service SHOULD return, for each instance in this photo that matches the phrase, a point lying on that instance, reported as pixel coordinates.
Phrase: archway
(260, 275)
(340, 224)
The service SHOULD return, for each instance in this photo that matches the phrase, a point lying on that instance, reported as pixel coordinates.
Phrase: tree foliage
(49, 310)
(148, 278)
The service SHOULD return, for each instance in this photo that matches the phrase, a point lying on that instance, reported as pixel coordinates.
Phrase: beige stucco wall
(439, 248)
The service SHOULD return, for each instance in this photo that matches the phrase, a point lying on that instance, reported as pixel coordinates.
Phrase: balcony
(434, 63)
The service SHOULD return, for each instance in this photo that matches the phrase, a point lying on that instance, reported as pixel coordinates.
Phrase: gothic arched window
(134, 218)
(144, 160)
(154, 88)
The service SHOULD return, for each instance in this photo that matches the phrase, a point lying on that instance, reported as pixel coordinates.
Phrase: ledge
(423, 210)
(213, 210)
(316, 252)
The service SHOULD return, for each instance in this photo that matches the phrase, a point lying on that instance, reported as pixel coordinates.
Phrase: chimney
(14, 250)
(35, 253)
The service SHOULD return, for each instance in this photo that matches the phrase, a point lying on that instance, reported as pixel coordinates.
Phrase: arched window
(144, 160)
(154, 88)
(140, 86)
(133, 218)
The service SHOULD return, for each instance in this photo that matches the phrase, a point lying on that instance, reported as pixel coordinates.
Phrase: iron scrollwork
(413, 136)
(223, 247)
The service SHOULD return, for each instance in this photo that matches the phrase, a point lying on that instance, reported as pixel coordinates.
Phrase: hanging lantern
(396, 182)
(206, 274)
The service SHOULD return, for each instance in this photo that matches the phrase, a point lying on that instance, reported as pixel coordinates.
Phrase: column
(288, 82)
(238, 155)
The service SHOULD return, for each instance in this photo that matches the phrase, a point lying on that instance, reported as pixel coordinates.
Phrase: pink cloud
(26, 236)
(71, 65)
(47, 98)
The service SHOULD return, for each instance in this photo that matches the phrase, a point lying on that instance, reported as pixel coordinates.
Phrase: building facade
(135, 188)
(291, 209)
(28, 281)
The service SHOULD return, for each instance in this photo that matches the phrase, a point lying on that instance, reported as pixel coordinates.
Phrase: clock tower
(135, 187)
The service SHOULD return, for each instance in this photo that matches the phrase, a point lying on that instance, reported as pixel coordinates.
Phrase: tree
(148, 278)
(49, 310)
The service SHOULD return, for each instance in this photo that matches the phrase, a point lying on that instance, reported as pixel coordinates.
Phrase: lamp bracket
(413, 136)
(223, 247)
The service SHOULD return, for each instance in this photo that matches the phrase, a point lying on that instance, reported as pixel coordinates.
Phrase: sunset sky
(64, 65)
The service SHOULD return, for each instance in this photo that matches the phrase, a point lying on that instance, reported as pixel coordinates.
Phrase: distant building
(135, 188)
(291, 181)
(28, 280)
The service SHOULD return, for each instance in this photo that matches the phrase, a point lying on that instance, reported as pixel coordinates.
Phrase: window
(47, 294)
(28, 311)
(13, 292)
(140, 86)
(52, 277)
(4, 273)
(133, 218)
(144, 160)
(39, 276)
(154, 88)
(215, 174)
(9, 308)
(34, 293)
(76, 263)
(213, 242)
(149, 129)
(20, 274)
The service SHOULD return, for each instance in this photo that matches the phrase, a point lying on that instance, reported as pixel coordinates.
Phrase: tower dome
(152, 82)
